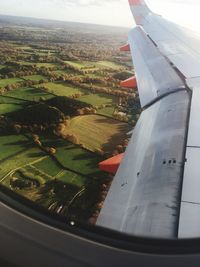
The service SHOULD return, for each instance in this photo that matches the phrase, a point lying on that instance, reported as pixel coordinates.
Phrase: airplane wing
(155, 191)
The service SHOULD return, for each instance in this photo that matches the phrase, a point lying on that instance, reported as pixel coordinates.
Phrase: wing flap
(144, 196)
(155, 76)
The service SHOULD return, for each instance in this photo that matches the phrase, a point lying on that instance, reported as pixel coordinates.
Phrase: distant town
(62, 112)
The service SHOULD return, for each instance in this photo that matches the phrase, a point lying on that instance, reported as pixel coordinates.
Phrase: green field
(79, 64)
(62, 89)
(73, 157)
(5, 82)
(10, 100)
(30, 94)
(60, 72)
(30, 172)
(98, 132)
(107, 111)
(98, 99)
(86, 65)
(26, 157)
(46, 65)
(11, 145)
(26, 63)
(51, 168)
(35, 78)
(110, 65)
(71, 178)
(32, 161)
(7, 108)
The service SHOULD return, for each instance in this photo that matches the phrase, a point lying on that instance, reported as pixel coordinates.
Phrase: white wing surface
(156, 189)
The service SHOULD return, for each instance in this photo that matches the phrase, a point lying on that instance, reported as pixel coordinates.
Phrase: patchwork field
(109, 64)
(62, 89)
(35, 78)
(5, 82)
(73, 157)
(86, 65)
(7, 108)
(98, 99)
(17, 161)
(46, 65)
(107, 111)
(11, 145)
(51, 182)
(53, 170)
(4, 99)
(38, 164)
(110, 132)
(29, 94)
(79, 64)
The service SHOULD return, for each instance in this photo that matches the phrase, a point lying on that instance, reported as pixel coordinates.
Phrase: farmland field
(19, 160)
(11, 144)
(35, 77)
(48, 154)
(79, 64)
(48, 166)
(47, 65)
(107, 111)
(30, 94)
(73, 157)
(5, 82)
(54, 171)
(62, 89)
(11, 100)
(110, 132)
(109, 64)
(98, 99)
(6, 108)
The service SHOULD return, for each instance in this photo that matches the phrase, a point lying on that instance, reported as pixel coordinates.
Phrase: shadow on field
(36, 154)
(116, 138)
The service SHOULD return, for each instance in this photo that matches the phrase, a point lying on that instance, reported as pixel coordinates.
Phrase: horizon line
(67, 21)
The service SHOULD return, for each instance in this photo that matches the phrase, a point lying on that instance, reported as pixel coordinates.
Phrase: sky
(107, 12)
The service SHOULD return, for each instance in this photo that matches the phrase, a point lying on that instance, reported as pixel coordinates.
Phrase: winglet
(129, 83)
(111, 165)
(139, 10)
(125, 48)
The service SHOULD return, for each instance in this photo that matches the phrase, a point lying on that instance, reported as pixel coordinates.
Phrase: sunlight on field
(109, 64)
(5, 82)
(46, 79)
(29, 94)
(97, 132)
(62, 89)
(35, 77)
(98, 99)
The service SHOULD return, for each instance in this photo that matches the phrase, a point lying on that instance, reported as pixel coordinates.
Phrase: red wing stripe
(135, 2)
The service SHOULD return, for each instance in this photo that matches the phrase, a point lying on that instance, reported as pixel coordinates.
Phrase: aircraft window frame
(98, 234)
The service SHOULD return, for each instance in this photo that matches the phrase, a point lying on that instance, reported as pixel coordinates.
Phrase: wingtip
(135, 2)
(139, 10)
